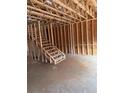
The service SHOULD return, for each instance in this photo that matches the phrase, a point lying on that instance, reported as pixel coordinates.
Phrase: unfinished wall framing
(71, 27)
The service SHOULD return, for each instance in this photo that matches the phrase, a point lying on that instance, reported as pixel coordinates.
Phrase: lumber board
(39, 29)
(51, 28)
(61, 38)
(82, 38)
(87, 37)
(77, 31)
(65, 45)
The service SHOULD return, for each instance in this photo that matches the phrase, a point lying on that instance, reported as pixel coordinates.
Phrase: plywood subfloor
(77, 74)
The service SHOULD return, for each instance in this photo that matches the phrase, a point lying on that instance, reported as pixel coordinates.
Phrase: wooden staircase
(41, 49)
(51, 52)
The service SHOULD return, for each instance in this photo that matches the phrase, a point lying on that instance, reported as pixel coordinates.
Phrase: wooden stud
(61, 38)
(40, 36)
(58, 30)
(45, 32)
(51, 29)
(31, 30)
(49, 38)
(54, 33)
(65, 40)
(82, 37)
(87, 37)
(73, 45)
(35, 31)
(92, 38)
(77, 30)
(69, 42)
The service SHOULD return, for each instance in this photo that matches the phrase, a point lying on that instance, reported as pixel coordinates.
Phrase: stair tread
(52, 49)
(58, 61)
(59, 58)
(46, 45)
(57, 55)
(55, 52)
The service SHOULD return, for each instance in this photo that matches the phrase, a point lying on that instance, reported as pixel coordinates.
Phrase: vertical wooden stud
(49, 33)
(39, 29)
(45, 32)
(82, 38)
(73, 44)
(31, 30)
(55, 37)
(68, 38)
(65, 41)
(58, 30)
(87, 37)
(92, 38)
(61, 37)
(51, 29)
(77, 30)
(35, 31)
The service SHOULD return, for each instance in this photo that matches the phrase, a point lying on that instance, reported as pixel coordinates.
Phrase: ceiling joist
(68, 11)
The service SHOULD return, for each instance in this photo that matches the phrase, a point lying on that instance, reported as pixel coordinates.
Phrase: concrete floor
(77, 74)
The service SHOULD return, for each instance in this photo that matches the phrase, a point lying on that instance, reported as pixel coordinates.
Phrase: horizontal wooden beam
(44, 16)
(51, 8)
(68, 8)
(47, 13)
(79, 4)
